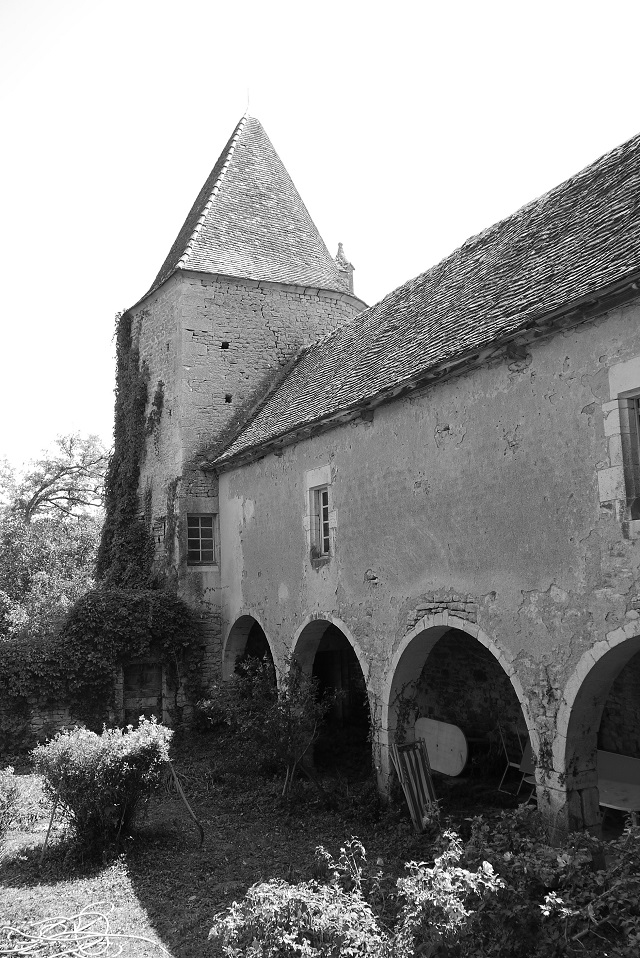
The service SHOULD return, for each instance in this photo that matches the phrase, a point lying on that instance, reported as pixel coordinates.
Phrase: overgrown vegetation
(9, 794)
(77, 666)
(125, 554)
(522, 899)
(99, 780)
(534, 902)
(281, 719)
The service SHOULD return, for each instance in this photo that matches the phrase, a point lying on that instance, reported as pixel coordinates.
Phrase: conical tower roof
(249, 221)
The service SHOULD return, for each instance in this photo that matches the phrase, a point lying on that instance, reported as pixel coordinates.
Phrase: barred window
(201, 540)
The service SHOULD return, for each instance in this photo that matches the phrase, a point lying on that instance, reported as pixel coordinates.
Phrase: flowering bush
(308, 919)
(521, 899)
(9, 794)
(100, 779)
(441, 902)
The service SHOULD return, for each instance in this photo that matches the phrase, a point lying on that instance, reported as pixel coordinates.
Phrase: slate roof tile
(248, 221)
(578, 239)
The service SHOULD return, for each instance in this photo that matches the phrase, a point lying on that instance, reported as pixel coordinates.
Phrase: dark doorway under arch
(344, 742)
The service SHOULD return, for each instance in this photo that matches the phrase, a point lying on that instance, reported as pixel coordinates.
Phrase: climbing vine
(105, 629)
(125, 554)
(152, 427)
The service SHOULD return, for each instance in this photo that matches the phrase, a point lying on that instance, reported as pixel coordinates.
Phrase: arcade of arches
(446, 673)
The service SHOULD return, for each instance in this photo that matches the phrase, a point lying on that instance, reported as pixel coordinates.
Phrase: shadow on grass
(62, 862)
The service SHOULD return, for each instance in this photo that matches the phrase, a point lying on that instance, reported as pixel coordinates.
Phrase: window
(320, 520)
(200, 540)
(630, 442)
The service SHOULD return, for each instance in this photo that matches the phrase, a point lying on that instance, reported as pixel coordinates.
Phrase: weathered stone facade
(215, 344)
(469, 449)
(474, 505)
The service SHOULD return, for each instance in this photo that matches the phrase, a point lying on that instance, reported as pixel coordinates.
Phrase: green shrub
(213, 710)
(283, 721)
(100, 779)
(289, 921)
(9, 795)
(522, 899)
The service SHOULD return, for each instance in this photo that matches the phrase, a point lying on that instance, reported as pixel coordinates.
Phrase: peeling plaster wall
(479, 496)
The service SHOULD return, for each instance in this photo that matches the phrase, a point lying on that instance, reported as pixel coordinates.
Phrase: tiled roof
(571, 243)
(249, 221)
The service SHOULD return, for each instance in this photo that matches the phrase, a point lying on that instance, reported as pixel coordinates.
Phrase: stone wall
(216, 344)
(462, 683)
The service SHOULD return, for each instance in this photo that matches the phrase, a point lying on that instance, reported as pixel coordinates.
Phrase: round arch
(579, 716)
(324, 647)
(307, 638)
(236, 641)
(408, 662)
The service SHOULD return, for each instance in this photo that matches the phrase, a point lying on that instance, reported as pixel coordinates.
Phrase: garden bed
(165, 887)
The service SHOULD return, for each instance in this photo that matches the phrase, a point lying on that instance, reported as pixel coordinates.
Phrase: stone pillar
(569, 803)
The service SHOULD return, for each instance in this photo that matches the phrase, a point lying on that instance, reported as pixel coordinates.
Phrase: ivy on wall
(152, 426)
(125, 555)
(106, 628)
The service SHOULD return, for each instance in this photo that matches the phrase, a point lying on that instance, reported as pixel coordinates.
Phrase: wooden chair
(513, 757)
(411, 763)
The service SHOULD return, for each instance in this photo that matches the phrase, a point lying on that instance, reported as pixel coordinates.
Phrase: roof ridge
(184, 259)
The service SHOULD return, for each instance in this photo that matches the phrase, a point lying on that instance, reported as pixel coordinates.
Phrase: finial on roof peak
(344, 265)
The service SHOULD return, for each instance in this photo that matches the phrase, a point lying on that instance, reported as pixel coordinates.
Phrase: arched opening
(599, 721)
(323, 649)
(456, 689)
(246, 639)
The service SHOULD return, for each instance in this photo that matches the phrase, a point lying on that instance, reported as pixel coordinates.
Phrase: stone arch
(408, 662)
(236, 641)
(307, 638)
(324, 647)
(578, 722)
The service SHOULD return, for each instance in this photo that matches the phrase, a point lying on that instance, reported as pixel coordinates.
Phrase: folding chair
(513, 757)
(412, 766)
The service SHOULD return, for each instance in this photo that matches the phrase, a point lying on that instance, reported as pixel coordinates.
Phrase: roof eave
(338, 294)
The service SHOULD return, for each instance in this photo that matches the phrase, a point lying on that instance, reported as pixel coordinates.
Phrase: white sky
(406, 127)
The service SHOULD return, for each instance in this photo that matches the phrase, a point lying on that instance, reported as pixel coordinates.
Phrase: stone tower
(246, 284)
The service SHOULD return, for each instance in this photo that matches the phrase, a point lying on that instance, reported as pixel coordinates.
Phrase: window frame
(319, 511)
(629, 406)
(195, 521)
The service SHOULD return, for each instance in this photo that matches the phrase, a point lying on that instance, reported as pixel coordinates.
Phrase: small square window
(201, 549)
(320, 538)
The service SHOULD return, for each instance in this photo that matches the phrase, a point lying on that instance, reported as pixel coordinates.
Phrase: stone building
(436, 498)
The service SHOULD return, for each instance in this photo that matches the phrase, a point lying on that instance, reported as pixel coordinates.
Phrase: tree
(45, 566)
(50, 520)
(68, 482)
